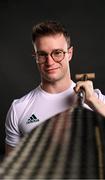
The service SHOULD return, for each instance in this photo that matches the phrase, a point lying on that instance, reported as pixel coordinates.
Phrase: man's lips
(52, 69)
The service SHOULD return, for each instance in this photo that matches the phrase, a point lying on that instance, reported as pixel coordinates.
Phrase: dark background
(85, 20)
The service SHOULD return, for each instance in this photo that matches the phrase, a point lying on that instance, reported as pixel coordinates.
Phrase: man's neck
(56, 87)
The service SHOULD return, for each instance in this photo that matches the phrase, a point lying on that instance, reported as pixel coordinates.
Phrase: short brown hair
(49, 28)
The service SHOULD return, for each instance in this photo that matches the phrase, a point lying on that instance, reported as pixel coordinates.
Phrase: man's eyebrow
(44, 52)
(41, 51)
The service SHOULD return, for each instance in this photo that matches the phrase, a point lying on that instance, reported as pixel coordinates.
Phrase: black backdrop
(85, 20)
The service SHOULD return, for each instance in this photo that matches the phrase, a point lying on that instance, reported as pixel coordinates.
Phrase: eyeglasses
(57, 55)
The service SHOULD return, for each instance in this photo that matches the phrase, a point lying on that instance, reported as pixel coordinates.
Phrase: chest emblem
(32, 119)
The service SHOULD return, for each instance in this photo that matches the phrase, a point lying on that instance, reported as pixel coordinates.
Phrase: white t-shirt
(34, 108)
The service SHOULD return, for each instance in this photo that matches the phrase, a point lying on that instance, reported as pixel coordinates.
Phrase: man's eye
(42, 54)
(58, 52)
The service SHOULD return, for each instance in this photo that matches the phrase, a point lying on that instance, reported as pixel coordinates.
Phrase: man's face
(50, 70)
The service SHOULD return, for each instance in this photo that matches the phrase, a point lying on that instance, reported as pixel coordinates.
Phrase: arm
(91, 98)
(8, 149)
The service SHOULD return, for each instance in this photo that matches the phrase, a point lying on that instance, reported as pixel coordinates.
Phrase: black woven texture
(63, 147)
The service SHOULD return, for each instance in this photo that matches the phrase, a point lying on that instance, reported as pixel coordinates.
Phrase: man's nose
(49, 60)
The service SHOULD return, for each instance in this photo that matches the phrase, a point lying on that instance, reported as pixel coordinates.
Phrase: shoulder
(19, 105)
(27, 97)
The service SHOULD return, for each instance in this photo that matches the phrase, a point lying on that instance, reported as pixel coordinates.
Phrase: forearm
(97, 105)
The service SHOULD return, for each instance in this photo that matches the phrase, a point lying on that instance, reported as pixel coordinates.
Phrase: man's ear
(70, 53)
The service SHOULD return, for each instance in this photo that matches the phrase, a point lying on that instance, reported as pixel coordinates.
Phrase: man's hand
(87, 86)
(91, 99)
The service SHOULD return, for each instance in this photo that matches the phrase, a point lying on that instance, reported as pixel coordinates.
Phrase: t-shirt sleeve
(100, 95)
(11, 127)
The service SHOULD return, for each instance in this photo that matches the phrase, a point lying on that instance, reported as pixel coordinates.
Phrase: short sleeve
(11, 127)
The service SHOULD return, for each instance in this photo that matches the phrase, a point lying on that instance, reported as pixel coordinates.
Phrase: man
(55, 94)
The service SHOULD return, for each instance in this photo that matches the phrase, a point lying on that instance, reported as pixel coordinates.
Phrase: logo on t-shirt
(32, 119)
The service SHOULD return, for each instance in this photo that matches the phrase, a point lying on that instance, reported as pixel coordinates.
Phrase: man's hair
(48, 28)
